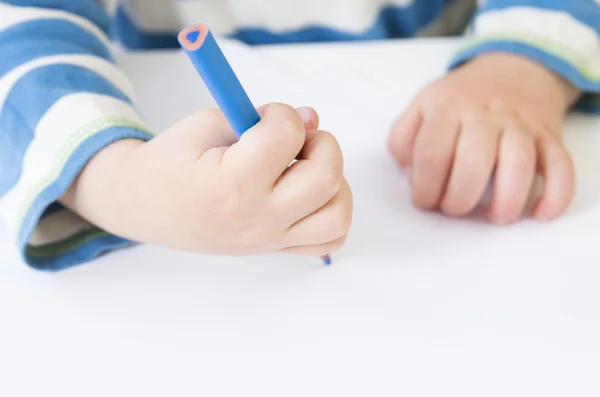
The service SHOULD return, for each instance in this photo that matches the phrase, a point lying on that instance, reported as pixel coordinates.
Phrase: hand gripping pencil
(221, 81)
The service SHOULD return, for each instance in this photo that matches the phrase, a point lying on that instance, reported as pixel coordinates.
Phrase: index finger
(265, 151)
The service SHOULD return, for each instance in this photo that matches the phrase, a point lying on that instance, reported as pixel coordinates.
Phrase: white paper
(415, 305)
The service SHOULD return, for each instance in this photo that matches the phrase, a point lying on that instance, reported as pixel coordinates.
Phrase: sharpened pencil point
(326, 259)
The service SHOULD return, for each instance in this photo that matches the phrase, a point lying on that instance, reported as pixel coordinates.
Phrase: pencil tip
(326, 259)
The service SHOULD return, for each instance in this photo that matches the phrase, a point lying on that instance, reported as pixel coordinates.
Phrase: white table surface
(415, 304)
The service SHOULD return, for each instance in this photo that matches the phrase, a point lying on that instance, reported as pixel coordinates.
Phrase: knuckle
(455, 207)
(342, 220)
(278, 107)
(396, 148)
(289, 121)
(434, 92)
(507, 212)
(556, 153)
(329, 138)
(330, 184)
(234, 199)
(430, 158)
(334, 146)
(423, 199)
(209, 112)
(212, 156)
(395, 139)
(473, 117)
(496, 104)
(438, 106)
(440, 103)
(291, 126)
(336, 245)
(330, 180)
(475, 158)
(522, 160)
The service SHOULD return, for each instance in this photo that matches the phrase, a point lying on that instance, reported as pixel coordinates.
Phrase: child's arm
(69, 134)
(62, 99)
(498, 114)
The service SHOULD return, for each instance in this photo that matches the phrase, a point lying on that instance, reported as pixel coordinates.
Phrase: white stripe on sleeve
(563, 33)
(58, 133)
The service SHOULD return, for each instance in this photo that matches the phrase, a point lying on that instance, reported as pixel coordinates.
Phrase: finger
(203, 130)
(314, 179)
(432, 158)
(515, 172)
(265, 150)
(319, 249)
(558, 174)
(403, 135)
(328, 223)
(472, 168)
(310, 117)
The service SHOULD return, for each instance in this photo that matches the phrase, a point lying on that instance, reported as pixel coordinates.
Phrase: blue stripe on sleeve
(586, 11)
(40, 38)
(89, 249)
(23, 111)
(89, 9)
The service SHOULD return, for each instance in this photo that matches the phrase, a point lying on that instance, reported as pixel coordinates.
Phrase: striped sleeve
(62, 99)
(562, 35)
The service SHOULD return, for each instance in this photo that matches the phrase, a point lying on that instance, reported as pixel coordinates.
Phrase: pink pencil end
(193, 37)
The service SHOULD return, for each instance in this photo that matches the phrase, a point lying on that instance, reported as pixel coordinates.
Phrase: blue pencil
(220, 79)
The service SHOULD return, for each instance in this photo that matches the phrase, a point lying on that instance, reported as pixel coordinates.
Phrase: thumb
(268, 148)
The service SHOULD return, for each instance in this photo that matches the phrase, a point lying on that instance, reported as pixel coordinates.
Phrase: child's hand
(195, 188)
(498, 115)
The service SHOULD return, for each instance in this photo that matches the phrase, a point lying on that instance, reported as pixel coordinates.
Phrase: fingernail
(306, 114)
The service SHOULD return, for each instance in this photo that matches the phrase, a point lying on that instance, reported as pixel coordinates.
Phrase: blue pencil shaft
(224, 86)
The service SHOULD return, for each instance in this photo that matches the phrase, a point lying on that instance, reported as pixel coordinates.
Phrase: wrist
(560, 92)
(96, 192)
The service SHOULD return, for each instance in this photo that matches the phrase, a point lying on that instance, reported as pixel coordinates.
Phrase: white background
(415, 305)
